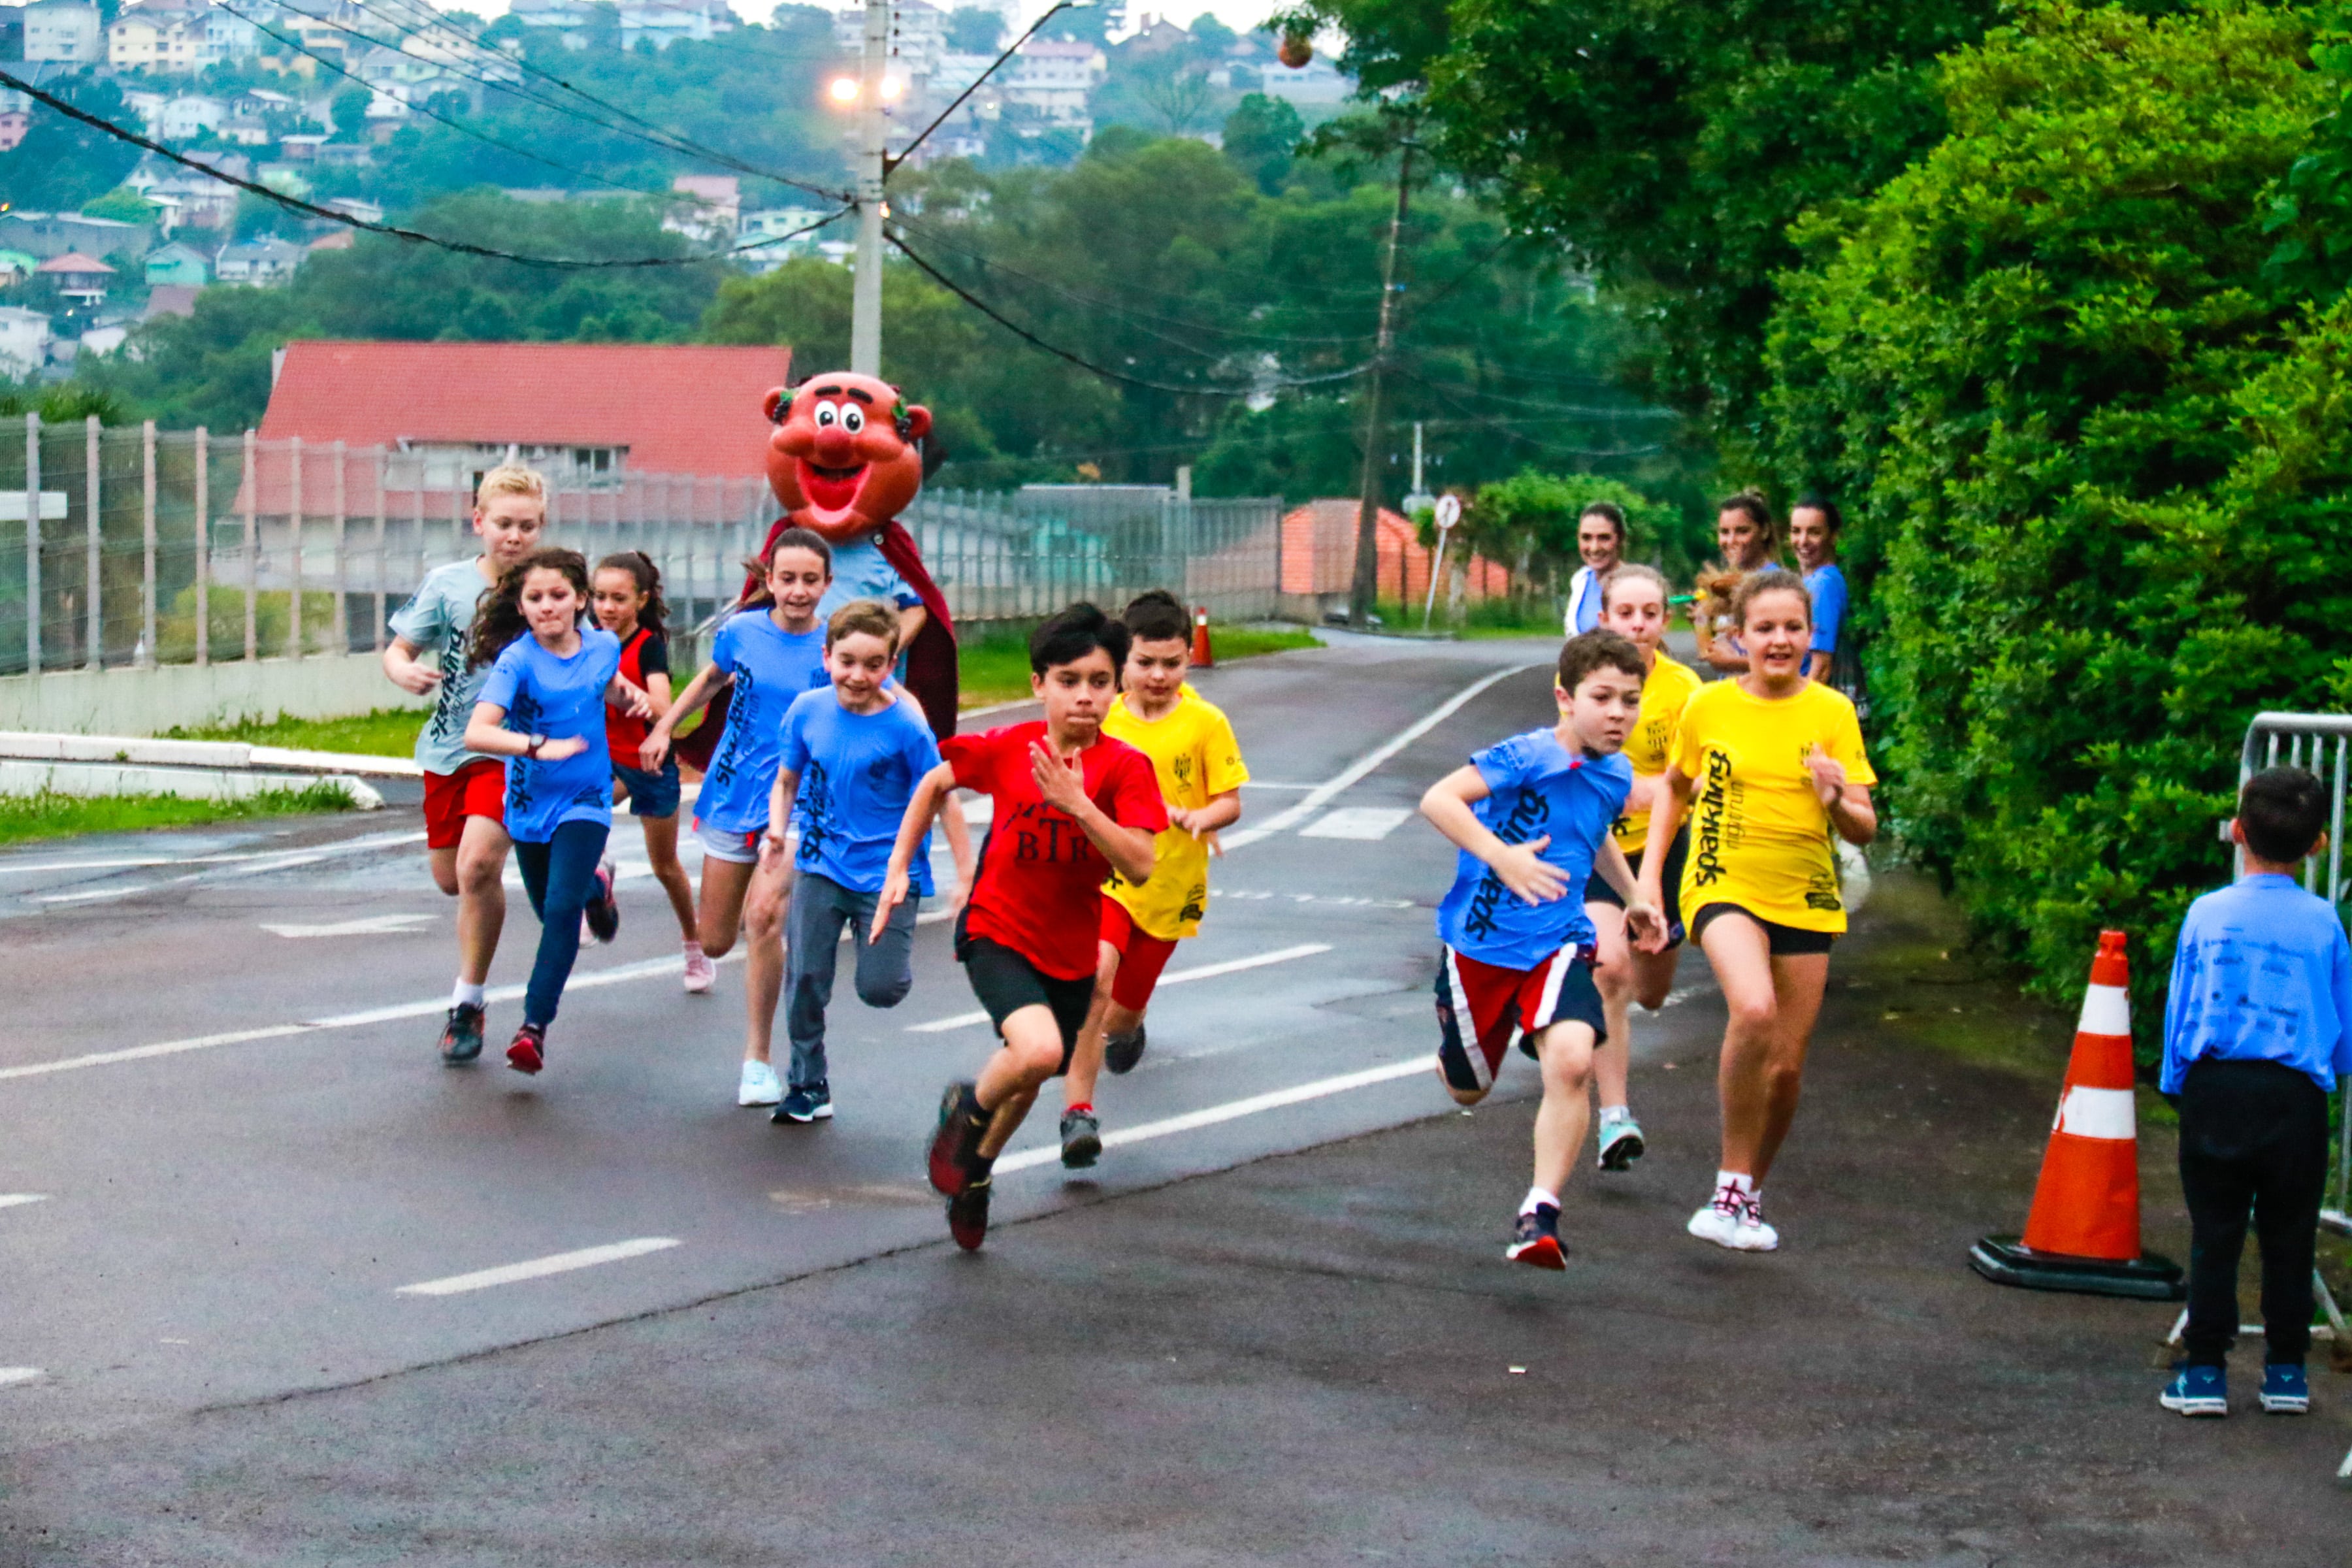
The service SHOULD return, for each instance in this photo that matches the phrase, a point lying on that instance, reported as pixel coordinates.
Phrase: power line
(889, 164)
(462, 247)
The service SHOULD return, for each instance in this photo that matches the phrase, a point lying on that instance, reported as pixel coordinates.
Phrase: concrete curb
(18, 776)
(36, 747)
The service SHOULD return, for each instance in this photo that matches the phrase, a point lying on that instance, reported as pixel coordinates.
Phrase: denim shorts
(650, 794)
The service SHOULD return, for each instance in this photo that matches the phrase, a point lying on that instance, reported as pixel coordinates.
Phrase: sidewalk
(1317, 1359)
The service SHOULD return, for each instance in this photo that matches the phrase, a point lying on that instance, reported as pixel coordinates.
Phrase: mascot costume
(844, 461)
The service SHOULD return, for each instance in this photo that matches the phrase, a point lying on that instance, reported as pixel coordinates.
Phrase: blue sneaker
(2197, 1391)
(805, 1105)
(2285, 1390)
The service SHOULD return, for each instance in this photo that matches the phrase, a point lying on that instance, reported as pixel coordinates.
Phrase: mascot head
(843, 459)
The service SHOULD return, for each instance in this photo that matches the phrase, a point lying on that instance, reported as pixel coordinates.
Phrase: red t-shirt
(644, 654)
(1039, 889)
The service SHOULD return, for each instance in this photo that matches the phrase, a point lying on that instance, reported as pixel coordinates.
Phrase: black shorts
(1597, 889)
(1006, 982)
(1784, 941)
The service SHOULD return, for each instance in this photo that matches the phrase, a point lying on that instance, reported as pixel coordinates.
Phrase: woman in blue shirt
(543, 709)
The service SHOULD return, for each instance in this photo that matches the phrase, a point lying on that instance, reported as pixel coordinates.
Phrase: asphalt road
(1272, 1327)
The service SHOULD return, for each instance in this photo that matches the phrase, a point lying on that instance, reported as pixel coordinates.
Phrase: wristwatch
(531, 751)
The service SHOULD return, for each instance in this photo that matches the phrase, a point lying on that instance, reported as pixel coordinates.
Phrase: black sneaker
(1121, 1052)
(1536, 1240)
(603, 911)
(1081, 1139)
(803, 1106)
(968, 1215)
(955, 1146)
(461, 1038)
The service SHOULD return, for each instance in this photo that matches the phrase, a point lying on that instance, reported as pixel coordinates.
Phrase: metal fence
(132, 546)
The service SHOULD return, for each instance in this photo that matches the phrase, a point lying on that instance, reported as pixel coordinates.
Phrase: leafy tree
(974, 30)
(123, 204)
(1528, 523)
(350, 111)
(61, 162)
(1261, 135)
(2095, 456)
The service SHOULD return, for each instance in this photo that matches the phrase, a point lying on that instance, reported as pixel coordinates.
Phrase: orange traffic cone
(2083, 1233)
(1202, 657)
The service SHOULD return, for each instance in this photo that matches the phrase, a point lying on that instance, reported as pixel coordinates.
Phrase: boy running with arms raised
(1531, 816)
(1200, 773)
(1072, 805)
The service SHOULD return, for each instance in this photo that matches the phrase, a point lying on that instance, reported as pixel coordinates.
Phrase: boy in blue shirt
(2255, 1036)
(1531, 816)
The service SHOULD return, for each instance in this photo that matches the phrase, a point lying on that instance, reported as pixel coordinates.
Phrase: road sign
(1449, 510)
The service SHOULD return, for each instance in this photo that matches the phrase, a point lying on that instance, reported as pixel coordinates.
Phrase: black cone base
(2007, 1260)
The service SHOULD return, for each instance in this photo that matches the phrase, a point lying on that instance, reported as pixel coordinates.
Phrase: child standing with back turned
(2255, 1036)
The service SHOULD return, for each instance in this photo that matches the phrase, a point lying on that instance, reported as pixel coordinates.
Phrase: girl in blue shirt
(765, 655)
(543, 709)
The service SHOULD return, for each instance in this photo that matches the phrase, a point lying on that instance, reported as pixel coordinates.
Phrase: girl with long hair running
(543, 709)
(628, 594)
(1770, 772)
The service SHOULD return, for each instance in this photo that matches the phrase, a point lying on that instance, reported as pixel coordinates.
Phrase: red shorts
(1503, 1004)
(1141, 956)
(477, 789)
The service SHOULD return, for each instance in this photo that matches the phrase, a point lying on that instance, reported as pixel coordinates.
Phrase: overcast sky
(1239, 15)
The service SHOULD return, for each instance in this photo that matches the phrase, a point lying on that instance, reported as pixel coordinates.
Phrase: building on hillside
(334, 239)
(258, 263)
(23, 342)
(187, 116)
(592, 417)
(1056, 80)
(49, 234)
(662, 23)
(66, 31)
(1318, 563)
(12, 33)
(178, 263)
(79, 279)
(14, 123)
(712, 209)
(768, 229)
(193, 201)
(16, 267)
(144, 38)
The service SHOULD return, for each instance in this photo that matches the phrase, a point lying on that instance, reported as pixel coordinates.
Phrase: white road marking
(103, 893)
(370, 925)
(17, 1200)
(1262, 784)
(1322, 795)
(540, 1268)
(254, 864)
(1339, 900)
(9, 1375)
(1370, 823)
(1203, 972)
(1232, 1109)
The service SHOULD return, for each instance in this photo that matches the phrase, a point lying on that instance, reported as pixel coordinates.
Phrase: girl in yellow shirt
(1768, 771)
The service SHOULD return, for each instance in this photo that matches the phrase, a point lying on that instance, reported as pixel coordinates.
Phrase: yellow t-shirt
(1760, 837)
(1650, 747)
(1193, 752)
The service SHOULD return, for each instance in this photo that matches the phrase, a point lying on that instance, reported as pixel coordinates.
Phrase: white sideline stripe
(2106, 1010)
(1323, 793)
(2110, 1113)
(1204, 971)
(367, 925)
(238, 865)
(9, 1375)
(17, 1200)
(540, 1268)
(1230, 1111)
(1369, 822)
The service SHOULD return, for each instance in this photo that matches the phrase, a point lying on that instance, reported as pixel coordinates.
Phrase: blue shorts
(650, 794)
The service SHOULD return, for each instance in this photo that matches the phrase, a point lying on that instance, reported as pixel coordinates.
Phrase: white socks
(467, 995)
(1737, 1181)
(1538, 1197)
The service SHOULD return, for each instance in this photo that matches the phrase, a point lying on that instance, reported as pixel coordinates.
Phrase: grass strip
(29, 819)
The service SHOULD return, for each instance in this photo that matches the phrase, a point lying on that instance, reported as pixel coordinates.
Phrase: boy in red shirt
(1072, 805)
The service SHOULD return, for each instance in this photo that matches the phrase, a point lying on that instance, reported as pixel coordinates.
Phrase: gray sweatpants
(885, 969)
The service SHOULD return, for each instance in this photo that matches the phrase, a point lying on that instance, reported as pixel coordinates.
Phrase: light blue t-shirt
(557, 698)
(2261, 972)
(861, 571)
(1583, 601)
(1826, 584)
(857, 772)
(771, 667)
(1534, 788)
(437, 622)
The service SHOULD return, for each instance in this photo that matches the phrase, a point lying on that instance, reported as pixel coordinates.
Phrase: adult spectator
(1600, 541)
(1748, 537)
(1814, 524)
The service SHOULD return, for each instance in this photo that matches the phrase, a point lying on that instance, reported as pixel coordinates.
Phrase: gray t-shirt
(437, 622)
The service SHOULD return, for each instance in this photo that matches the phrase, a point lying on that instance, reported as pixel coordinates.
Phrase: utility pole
(866, 298)
(1366, 587)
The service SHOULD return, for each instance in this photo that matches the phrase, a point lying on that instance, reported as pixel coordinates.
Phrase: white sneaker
(701, 973)
(1734, 1219)
(759, 1085)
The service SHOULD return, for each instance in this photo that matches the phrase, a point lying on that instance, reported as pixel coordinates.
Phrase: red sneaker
(529, 1052)
(956, 1142)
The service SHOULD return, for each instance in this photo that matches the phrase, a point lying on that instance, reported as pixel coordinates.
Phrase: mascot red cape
(844, 461)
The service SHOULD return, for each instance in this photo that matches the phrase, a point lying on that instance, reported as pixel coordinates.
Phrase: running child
(1768, 769)
(765, 656)
(1072, 805)
(1199, 765)
(464, 837)
(543, 709)
(1531, 816)
(852, 753)
(1635, 607)
(628, 600)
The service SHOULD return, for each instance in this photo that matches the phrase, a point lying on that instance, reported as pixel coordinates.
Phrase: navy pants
(2254, 1137)
(561, 877)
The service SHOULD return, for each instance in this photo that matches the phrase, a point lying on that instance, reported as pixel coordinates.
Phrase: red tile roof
(679, 409)
(74, 261)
